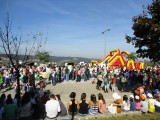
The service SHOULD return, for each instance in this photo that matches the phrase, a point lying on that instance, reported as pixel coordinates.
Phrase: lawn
(139, 116)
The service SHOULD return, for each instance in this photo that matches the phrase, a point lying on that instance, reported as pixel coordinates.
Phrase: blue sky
(74, 27)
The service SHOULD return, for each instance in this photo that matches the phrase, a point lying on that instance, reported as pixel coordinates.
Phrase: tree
(132, 56)
(146, 29)
(14, 44)
(43, 56)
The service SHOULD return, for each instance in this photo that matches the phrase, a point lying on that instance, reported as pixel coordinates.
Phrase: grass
(137, 116)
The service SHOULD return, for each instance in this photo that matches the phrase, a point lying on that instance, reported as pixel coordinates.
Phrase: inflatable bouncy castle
(115, 58)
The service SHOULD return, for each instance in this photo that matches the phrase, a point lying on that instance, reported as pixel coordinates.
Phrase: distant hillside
(59, 58)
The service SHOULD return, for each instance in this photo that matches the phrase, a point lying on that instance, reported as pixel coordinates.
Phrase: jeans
(73, 76)
(113, 87)
(85, 78)
(67, 77)
(53, 80)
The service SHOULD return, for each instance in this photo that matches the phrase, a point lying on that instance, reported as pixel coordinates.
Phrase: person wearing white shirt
(52, 107)
(126, 104)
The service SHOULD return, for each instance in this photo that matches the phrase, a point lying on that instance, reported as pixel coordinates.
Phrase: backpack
(151, 107)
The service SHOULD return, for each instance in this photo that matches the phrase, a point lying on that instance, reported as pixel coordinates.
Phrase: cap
(131, 96)
(149, 95)
(137, 97)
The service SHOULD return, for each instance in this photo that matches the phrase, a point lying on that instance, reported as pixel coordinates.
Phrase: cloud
(44, 6)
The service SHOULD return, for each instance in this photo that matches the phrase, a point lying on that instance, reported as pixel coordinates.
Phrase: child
(132, 103)
(138, 103)
(42, 83)
(126, 104)
(144, 104)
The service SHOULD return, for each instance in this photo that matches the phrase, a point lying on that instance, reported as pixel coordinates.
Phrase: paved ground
(66, 87)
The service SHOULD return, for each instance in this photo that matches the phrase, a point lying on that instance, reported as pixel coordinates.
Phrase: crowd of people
(104, 78)
(35, 104)
(35, 107)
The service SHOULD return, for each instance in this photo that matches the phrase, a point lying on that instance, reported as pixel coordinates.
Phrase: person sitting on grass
(93, 105)
(52, 107)
(132, 103)
(138, 103)
(116, 106)
(101, 104)
(144, 104)
(25, 108)
(83, 105)
(126, 104)
(63, 111)
(118, 102)
(1, 111)
(157, 102)
(38, 109)
(44, 98)
(72, 105)
(151, 102)
(10, 109)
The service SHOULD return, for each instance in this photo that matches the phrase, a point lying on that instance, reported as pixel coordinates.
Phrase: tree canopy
(43, 56)
(132, 56)
(146, 36)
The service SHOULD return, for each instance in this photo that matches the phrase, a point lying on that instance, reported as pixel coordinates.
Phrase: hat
(131, 96)
(149, 95)
(137, 97)
(116, 96)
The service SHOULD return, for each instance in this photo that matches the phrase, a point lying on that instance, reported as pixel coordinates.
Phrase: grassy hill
(56, 58)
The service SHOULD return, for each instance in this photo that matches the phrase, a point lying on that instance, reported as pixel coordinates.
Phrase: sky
(74, 27)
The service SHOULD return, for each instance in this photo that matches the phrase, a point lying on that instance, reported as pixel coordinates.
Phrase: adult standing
(113, 83)
(66, 74)
(1, 81)
(99, 81)
(123, 81)
(106, 83)
(59, 74)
